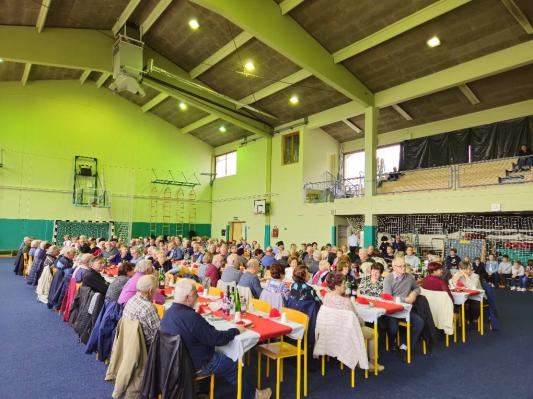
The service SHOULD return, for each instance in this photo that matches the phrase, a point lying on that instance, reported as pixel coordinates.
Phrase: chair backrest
(296, 316)
(275, 299)
(223, 285)
(245, 292)
(441, 307)
(214, 291)
(261, 306)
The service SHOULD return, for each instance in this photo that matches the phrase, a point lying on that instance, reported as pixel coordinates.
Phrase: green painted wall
(45, 124)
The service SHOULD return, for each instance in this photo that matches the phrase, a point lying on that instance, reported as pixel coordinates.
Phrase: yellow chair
(78, 285)
(26, 260)
(280, 350)
(407, 326)
(160, 310)
(195, 271)
(214, 291)
(261, 306)
(211, 384)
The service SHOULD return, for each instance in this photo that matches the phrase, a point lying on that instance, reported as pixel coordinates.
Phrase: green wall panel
(12, 231)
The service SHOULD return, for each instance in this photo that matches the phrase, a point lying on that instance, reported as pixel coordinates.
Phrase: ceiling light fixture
(433, 42)
(182, 106)
(294, 100)
(193, 24)
(222, 129)
(1, 60)
(249, 66)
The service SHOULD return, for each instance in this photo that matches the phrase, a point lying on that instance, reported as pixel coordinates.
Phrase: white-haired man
(140, 307)
(201, 338)
(231, 271)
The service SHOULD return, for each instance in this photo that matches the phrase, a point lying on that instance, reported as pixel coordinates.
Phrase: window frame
(225, 164)
(284, 147)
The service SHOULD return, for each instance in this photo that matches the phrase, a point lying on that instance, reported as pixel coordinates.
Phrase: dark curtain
(497, 140)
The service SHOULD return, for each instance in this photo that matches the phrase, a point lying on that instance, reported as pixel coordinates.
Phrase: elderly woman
(231, 272)
(37, 266)
(293, 262)
(275, 282)
(466, 275)
(434, 281)
(320, 276)
(125, 272)
(336, 299)
(300, 290)
(142, 268)
(213, 270)
(372, 285)
(202, 269)
(81, 267)
(136, 254)
(45, 280)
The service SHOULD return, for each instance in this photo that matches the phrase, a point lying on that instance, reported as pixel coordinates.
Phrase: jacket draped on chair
(441, 307)
(103, 332)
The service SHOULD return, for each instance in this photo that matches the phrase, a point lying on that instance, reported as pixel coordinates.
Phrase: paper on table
(214, 306)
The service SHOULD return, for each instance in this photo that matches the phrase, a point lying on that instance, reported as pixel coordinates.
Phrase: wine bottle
(237, 301)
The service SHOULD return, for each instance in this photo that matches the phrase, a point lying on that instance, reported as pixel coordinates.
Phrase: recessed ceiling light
(249, 66)
(222, 129)
(1, 60)
(433, 42)
(193, 24)
(294, 100)
(182, 106)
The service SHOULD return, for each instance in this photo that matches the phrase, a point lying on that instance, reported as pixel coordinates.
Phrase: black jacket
(95, 281)
(169, 370)
(82, 321)
(421, 308)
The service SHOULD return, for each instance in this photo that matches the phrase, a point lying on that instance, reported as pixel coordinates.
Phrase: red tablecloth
(388, 306)
(468, 291)
(266, 328)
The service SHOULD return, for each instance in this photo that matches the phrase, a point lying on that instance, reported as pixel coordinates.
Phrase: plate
(244, 322)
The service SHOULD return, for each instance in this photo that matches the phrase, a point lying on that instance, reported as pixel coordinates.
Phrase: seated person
(389, 255)
(275, 283)
(491, 268)
(231, 272)
(140, 307)
(471, 281)
(525, 159)
(394, 175)
(402, 285)
(434, 281)
(125, 255)
(344, 267)
(249, 278)
(207, 258)
(517, 276)
(201, 338)
(136, 254)
(411, 259)
(528, 274)
(372, 285)
(398, 245)
(383, 246)
(143, 267)
(364, 262)
(452, 260)
(267, 259)
(293, 262)
(162, 262)
(504, 271)
(320, 276)
(300, 290)
(213, 270)
(125, 271)
(337, 299)
(92, 278)
(111, 253)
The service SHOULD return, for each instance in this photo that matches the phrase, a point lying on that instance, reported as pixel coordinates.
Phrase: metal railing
(451, 177)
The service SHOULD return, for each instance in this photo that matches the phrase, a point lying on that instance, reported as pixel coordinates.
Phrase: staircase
(515, 176)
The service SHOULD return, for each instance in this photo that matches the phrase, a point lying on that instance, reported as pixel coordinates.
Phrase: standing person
(201, 338)
(384, 245)
(452, 260)
(353, 241)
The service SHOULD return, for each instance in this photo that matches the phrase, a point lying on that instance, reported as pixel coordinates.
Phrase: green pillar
(370, 230)
(227, 232)
(333, 235)
(371, 146)
(267, 236)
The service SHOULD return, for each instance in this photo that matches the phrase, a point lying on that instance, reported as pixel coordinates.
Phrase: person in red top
(213, 270)
(434, 281)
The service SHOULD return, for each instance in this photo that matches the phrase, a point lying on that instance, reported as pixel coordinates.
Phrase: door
(236, 230)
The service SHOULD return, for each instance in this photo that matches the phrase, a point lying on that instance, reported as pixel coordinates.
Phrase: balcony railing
(452, 177)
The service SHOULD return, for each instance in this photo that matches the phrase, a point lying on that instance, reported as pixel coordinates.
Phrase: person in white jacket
(517, 276)
(504, 271)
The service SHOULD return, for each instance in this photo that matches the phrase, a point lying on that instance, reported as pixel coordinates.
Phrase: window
(226, 164)
(291, 148)
(354, 163)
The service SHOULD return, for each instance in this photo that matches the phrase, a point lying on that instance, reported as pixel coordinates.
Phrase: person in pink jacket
(142, 268)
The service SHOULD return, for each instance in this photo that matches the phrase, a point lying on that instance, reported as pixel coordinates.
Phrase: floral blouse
(304, 292)
(367, 288)
(277, 286)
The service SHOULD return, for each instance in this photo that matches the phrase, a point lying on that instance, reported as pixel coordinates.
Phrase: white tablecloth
(370, 314)
(461, 297)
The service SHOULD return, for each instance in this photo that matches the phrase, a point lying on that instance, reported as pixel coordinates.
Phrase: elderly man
(92, 277)
(404, 286)
(231, 271)
(140, 307)
(201, 338)
(267, 259)
(143, 267)
(365, 262)
(398, 245)
(249, 278)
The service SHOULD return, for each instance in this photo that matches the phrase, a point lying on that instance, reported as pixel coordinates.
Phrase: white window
(354, 163)
(226, 164)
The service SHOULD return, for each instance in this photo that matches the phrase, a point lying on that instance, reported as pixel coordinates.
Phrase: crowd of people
(346, 272)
